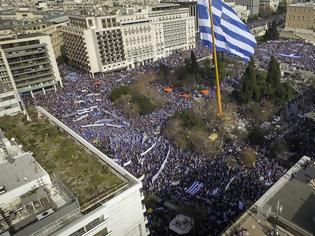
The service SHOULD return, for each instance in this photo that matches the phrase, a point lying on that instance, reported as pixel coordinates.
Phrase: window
(103, 23)
(90, 22)
(109, 22)
(7, 98)
(79, 232)
(94, 223)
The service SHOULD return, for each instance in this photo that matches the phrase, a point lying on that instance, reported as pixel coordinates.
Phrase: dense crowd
(296, 53)
(279, 19)
(139, 145)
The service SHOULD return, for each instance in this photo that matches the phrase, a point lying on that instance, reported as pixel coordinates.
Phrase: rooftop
(305, 4)
(289, 204)
(81, 171)
(19, 171)
(297, 197)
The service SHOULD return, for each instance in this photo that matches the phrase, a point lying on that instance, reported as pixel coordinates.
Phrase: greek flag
(231, 34)
(194, 188)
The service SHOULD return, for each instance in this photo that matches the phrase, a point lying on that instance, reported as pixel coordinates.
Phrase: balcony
(27, 65)
(29, 59)
(32, 77)
(28, 87)
(21, 54)
(24, 47)
(32, 71)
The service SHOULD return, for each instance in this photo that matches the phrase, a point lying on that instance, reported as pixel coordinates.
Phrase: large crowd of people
(296, 53)
(138, 144)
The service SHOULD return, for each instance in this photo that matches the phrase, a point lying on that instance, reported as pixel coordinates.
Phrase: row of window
(19, 44)
(2, 99)
(290, 9)
(299, 17)
(9, 107)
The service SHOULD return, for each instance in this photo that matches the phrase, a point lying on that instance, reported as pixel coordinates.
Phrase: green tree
(272, 32)
(144, 104)
(221, 66)
(274, 87)
(282, 7)
(265, 12)
(248, 157)
(164, 72)
(249, 89)
(194, 63)
(208, 72)
(256, 136)
(118, 92)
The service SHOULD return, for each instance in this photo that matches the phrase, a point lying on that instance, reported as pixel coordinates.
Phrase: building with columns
(128, 39)
(300, 21)
(31, 62)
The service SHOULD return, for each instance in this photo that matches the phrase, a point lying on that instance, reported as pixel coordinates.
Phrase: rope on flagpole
(215, 62)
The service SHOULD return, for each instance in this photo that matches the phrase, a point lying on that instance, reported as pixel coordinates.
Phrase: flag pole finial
(215, 63)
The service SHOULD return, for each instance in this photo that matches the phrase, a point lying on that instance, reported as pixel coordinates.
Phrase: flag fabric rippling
(194, 188)
(231, 34)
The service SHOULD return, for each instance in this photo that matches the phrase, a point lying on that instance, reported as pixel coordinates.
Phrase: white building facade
(9, 98)
(108, 43)
(31, 62)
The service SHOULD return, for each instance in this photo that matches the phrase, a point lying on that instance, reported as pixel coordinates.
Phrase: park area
(59, 154)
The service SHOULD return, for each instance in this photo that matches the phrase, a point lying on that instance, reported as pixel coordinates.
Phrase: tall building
(240, 10)
(129, 39)
(300, 20)
(32, 63)
(191, 5)
(9, 98)
(252, 5)
(64, 195)
(272, 4)
(25, 22)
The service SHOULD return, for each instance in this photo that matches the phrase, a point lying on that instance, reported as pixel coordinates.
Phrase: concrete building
(126, 40)
(191, 5)
(287, 208)
(22, 23)
(9, 102)
(252, 5)
(9, 98)
(32, 63)
(35, 202)
(272, 4)
(240, 10)
(300, 20)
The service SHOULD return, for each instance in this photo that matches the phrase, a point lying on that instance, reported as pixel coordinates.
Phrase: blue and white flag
(290, 55)
(229, 183)
(194, 188)
(231, 34)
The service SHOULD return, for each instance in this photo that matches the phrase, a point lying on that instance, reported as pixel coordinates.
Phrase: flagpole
(215, 63)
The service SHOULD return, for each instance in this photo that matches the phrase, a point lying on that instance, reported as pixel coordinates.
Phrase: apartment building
(300, 20)
(272, 4)
(42, 196)
(240, 10)
(28, 22)
(252, 5)
(128, 39)
(9, 98)
(32, 63)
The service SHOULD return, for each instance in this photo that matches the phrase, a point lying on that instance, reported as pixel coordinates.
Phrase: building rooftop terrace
(82, 172)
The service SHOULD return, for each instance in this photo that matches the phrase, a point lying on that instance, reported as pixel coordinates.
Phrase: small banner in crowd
(194, 188)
